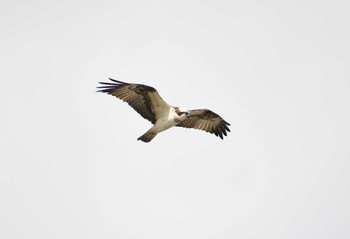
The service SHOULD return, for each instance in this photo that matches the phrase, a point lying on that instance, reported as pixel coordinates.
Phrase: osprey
(148, 103)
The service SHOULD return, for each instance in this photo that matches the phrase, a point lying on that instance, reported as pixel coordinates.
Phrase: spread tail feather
(148, 136)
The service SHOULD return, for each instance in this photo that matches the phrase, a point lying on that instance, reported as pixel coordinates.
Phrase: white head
(182, 112)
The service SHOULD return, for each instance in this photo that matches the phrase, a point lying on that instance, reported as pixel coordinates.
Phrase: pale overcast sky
(278, 71)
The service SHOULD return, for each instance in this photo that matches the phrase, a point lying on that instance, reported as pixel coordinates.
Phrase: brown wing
(206, 120)
(144, 99)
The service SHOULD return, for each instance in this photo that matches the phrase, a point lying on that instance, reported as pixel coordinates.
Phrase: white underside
(165, 114)
(167, 119)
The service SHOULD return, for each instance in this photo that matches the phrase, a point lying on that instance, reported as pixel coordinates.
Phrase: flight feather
(144, 99)
(206, 120)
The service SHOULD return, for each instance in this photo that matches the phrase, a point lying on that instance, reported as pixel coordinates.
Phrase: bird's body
(167, 119)
(148, 103)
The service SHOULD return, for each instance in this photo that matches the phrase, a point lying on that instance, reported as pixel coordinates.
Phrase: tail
(148, 136)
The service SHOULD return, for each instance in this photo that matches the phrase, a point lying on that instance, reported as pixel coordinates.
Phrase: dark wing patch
(206, 120)
(136, 95)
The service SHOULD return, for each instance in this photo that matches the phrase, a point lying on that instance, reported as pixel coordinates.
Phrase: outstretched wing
(206, 120)
(144, 99)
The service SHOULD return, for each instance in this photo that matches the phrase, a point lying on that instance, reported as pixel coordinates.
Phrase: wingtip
(105, 86)
(117, 81)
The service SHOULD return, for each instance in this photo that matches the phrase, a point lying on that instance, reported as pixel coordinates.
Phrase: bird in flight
(148, 103)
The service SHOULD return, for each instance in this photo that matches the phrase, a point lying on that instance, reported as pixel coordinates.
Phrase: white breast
(167, 119)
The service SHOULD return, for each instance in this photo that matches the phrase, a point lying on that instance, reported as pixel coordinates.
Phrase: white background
(278, 71)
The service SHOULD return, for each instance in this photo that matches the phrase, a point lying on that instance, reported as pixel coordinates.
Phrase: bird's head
(182, 112)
